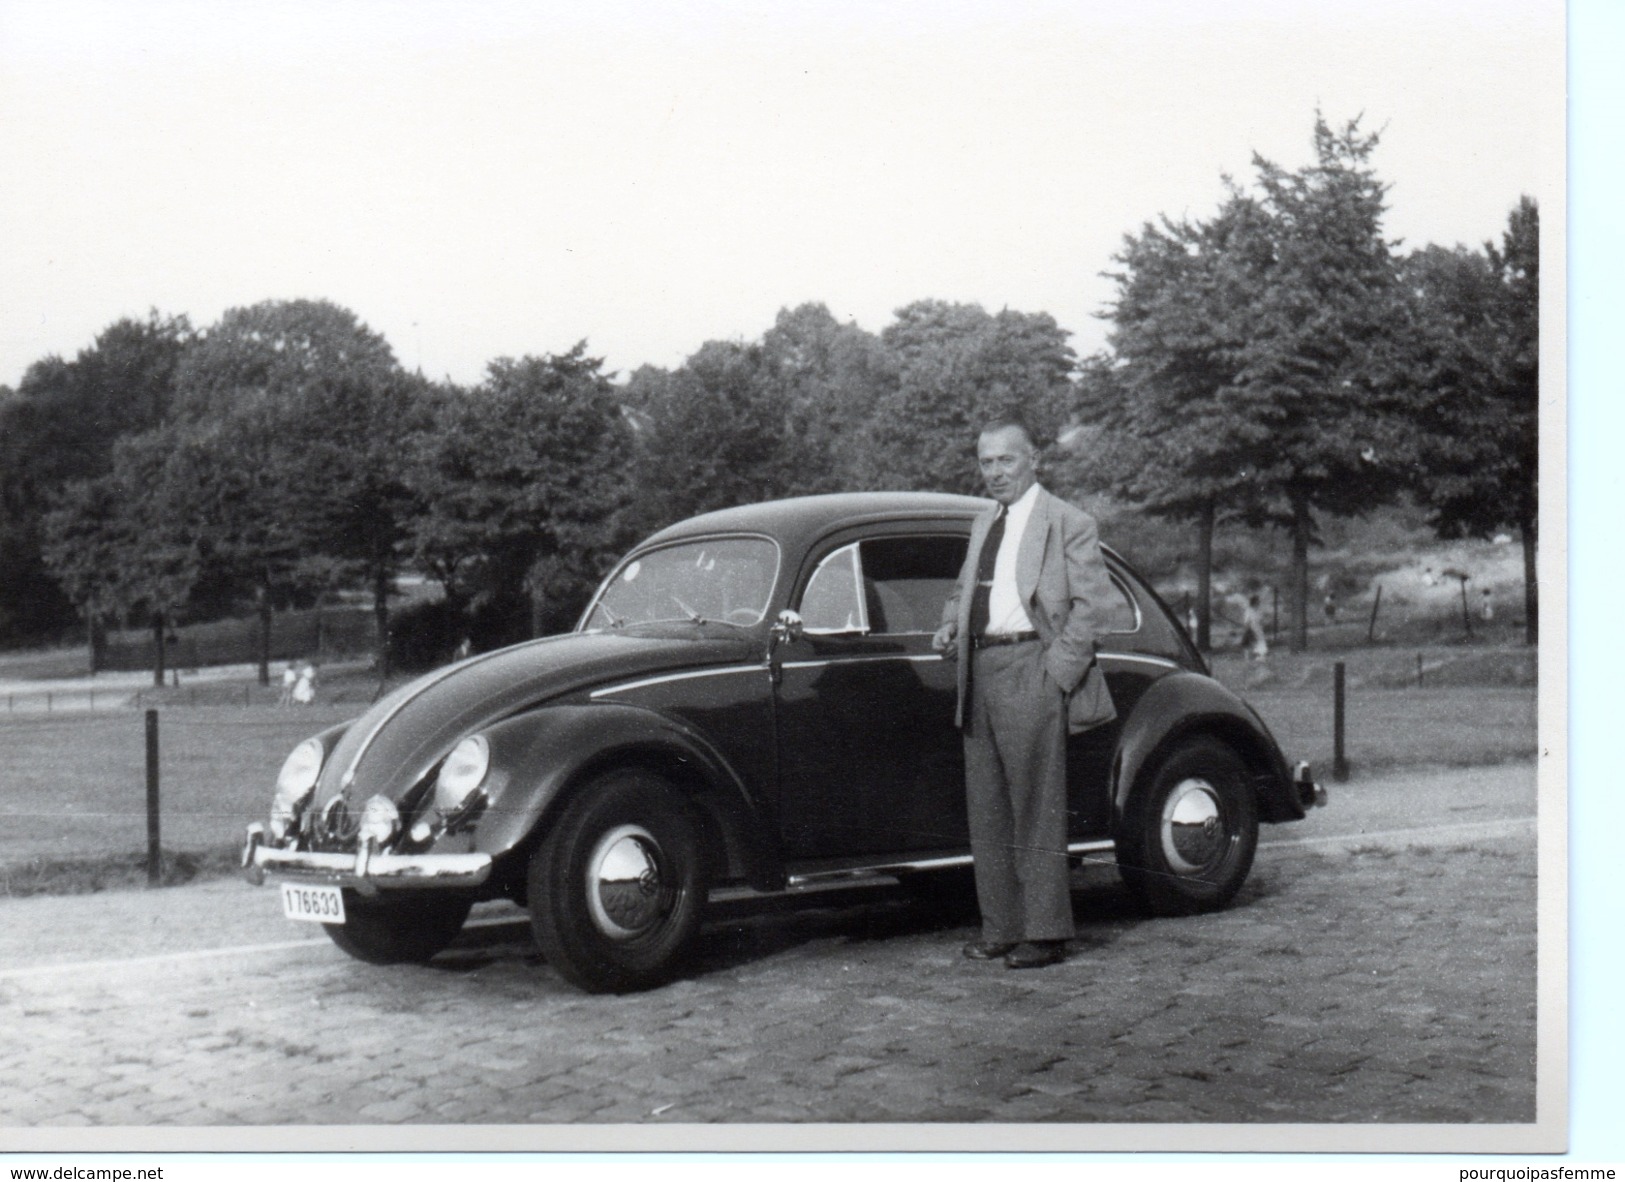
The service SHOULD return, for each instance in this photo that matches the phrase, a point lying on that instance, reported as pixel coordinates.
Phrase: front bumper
(1310, 794)
(366, 870)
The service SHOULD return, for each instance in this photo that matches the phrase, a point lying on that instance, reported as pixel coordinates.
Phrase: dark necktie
(984, 575)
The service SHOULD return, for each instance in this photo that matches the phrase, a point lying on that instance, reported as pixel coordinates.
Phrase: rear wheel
(1189, 834)
(618, 886)
(398, 929)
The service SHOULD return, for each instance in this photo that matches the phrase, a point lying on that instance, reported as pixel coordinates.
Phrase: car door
(869, 759)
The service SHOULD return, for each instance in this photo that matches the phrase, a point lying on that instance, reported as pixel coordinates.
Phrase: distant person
(304, 689)
(1252, 631)
(290, 677)
(1330, 608)
(1488, 610)
(464, 648)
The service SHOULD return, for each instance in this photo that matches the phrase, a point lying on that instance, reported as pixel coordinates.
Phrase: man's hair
(1004, 422)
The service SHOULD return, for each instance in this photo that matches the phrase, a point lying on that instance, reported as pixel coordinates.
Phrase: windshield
(717, 581)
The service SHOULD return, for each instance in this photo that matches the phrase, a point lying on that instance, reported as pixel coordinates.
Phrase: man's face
(1009, 463)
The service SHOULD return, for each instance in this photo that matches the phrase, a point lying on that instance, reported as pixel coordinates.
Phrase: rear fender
(539, 757)
(1183, 705)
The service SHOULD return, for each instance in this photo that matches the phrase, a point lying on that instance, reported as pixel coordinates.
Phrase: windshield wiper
(694, 617)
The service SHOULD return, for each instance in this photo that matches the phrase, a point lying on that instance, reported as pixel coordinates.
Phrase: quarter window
(833, 601)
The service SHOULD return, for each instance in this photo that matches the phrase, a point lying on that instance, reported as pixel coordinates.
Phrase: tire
(398, 929)
(617, 887)
(1188, 836)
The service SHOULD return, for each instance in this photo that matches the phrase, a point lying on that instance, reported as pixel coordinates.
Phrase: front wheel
(400, 929)
(1189, 835)
(617, 887)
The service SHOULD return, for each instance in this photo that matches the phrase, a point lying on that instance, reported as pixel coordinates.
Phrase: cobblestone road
(1364, 975)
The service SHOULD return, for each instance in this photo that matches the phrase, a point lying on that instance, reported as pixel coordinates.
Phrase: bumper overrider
(366, 870)
(1310, 794)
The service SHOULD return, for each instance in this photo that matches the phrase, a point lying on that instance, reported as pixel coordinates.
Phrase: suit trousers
(1015, 788)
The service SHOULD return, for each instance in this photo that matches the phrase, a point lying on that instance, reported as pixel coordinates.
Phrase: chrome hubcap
(1193, 831)
(625, 892)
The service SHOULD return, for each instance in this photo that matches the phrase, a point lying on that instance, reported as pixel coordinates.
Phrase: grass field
(73, 796)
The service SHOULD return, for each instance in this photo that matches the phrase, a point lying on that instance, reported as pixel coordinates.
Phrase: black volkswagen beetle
(751, 701)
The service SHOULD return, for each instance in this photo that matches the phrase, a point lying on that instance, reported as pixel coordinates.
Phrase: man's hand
(944, 640)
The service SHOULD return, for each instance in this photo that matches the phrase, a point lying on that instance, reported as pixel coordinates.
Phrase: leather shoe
(1035, 954)
(977, 950)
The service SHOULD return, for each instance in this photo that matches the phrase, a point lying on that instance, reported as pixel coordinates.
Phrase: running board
(878, 874)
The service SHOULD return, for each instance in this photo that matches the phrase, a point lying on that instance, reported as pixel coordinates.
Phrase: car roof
(801, 519)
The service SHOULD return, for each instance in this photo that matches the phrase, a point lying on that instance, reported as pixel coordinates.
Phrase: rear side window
(906, 580)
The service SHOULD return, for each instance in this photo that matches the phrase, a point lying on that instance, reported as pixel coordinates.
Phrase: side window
(906, 580)
(833, 601)
(1122, 615)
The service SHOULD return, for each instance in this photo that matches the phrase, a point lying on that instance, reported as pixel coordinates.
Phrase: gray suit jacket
(1061, 577)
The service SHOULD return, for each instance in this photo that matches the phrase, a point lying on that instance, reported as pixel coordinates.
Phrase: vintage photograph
(716, 575)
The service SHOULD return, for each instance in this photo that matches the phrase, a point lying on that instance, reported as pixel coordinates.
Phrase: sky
(486, 179)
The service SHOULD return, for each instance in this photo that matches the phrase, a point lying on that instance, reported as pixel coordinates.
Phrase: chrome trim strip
(428, 683)
(1134, 602)
(862, 660)
(376, 870)
(947, 862)
(1159, 662)
(663, 678)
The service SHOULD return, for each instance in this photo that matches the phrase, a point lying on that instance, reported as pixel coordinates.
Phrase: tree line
(1274, 363)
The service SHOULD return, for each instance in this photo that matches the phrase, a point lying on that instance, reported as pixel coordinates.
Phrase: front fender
(538, 757)
(1185, 704)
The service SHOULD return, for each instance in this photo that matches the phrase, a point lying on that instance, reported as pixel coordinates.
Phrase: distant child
(1252, 631)
(304, 689)
(290, 676)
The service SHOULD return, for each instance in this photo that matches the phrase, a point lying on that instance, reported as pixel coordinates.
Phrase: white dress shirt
(1005, 612)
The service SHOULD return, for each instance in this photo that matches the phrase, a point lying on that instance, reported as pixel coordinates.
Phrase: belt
(1004, 638)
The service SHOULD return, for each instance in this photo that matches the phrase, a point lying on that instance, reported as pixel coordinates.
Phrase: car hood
(395, 743)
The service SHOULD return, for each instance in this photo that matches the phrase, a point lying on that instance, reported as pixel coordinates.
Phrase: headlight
(462, 774)
(380, 821)
(294, 784)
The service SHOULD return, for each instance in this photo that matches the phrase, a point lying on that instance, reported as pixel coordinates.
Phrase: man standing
(1022, 624)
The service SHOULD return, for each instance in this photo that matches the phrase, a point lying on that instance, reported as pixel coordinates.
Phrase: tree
(719, 433)
(1474, 359)
(349, 487)
(1176, 351)
(1314, 405)
(60, 426)
(957, 367)
(829, 377)
(524, 481)
(295, 414)
(119, 550)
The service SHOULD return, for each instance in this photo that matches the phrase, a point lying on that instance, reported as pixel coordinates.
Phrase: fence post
(1340, 763)
(1371, 629)
(1418, 670)
(154, 850)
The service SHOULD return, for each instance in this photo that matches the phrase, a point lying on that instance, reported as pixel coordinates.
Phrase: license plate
(313, 904)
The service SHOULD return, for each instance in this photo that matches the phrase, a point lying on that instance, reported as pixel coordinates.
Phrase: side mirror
(786, 628)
